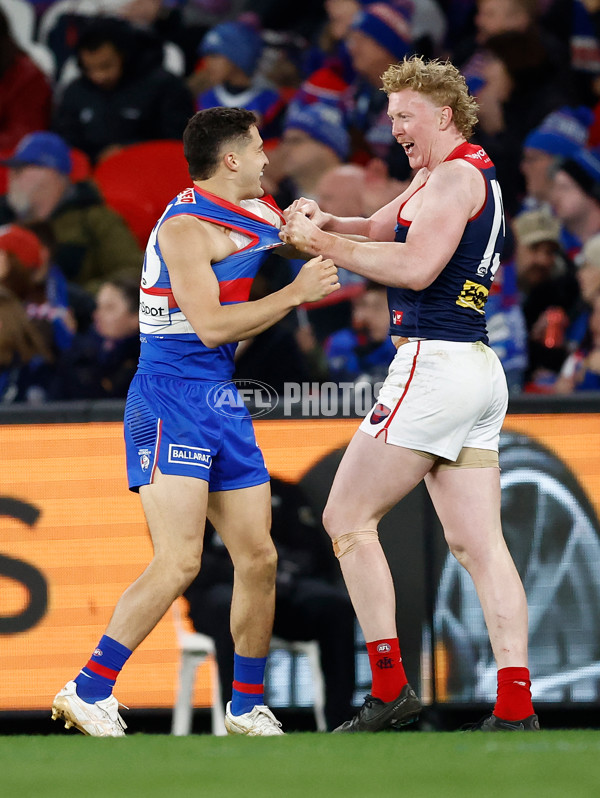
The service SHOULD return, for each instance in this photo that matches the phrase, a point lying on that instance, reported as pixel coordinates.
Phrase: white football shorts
(441, 396)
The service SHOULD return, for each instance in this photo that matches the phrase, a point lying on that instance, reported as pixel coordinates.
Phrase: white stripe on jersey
(497, 224)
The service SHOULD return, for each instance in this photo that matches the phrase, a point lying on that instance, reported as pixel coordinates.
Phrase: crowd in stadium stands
(85, 81)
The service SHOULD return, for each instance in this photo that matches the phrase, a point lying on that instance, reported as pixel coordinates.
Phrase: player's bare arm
(196, 288)
(453, 194)
(354, 225)
(378, 227)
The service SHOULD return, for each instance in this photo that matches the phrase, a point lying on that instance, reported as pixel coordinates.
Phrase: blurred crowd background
(94, 97)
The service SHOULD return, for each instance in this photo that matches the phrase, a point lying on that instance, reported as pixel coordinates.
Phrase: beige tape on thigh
(471, 458)
(350, 541)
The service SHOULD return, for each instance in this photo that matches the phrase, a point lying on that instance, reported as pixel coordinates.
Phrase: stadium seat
(196, 648)
(50, 16)
(138, 182)
(43, 57)
(309, 649)
(21, 18)
(81, 167)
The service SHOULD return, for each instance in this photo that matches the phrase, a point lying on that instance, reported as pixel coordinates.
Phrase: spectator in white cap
(548, 292)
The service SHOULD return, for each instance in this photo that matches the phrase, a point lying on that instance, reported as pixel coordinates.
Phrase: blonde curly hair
(441, 82)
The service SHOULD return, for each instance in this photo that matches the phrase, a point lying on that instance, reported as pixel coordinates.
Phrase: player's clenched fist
(308, 208)
(301, 233)
(316, 279)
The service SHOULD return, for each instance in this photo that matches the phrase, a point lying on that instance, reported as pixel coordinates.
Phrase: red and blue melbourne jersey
(169, 345)
(452, 307)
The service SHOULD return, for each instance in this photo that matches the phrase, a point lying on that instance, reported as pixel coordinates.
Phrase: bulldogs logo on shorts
(144, 455)
(379, 413)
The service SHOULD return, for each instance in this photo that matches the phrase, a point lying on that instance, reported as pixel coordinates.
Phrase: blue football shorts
(174, 425)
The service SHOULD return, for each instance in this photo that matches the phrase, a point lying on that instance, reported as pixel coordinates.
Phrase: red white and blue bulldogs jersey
(452, 307)
(169, 345)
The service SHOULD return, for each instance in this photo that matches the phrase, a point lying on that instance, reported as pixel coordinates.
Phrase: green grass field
(415, 765)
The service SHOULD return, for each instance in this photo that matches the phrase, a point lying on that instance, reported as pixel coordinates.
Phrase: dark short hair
(129, 287)
(207, 132)
(105, 30)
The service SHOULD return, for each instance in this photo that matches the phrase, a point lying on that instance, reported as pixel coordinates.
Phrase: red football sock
(387, 669)
(514, 694)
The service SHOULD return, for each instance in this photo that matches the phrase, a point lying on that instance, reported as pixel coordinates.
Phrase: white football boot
(101, 719)
(260, 722)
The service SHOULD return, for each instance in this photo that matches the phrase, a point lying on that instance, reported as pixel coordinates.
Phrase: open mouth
(408, 145)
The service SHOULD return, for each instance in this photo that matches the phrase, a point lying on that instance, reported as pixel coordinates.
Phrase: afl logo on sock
(383, 647)
(98, 652)
(379, 413)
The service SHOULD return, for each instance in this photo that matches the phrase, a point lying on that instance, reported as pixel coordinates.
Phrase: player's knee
(338, 518)
(189, 571)
(258, 562)
(332, 520)
(459, 553)
(180, 567)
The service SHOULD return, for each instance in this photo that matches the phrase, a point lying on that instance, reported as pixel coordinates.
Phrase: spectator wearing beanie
(575, 198)
(23, 271)
(329, 65)
(327, 62)
(380, 35)
(23, 244)
(25, 362)
(231, 53)
(26, 271)
(92, 240)
(559, 135)
(314, 140)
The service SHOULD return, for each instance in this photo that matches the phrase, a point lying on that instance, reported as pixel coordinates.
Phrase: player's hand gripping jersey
(452, 307)
(169, 345)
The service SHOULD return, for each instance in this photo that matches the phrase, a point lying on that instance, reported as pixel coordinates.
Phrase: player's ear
(231, 161)
(445, 117)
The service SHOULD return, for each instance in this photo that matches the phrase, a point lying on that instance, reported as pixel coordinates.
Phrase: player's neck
(445, 148)
(224, 189)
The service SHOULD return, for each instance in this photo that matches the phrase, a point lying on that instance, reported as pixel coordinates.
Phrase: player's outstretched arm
(453, 193)
(354, 225)
(378, 227)
(189, 247)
